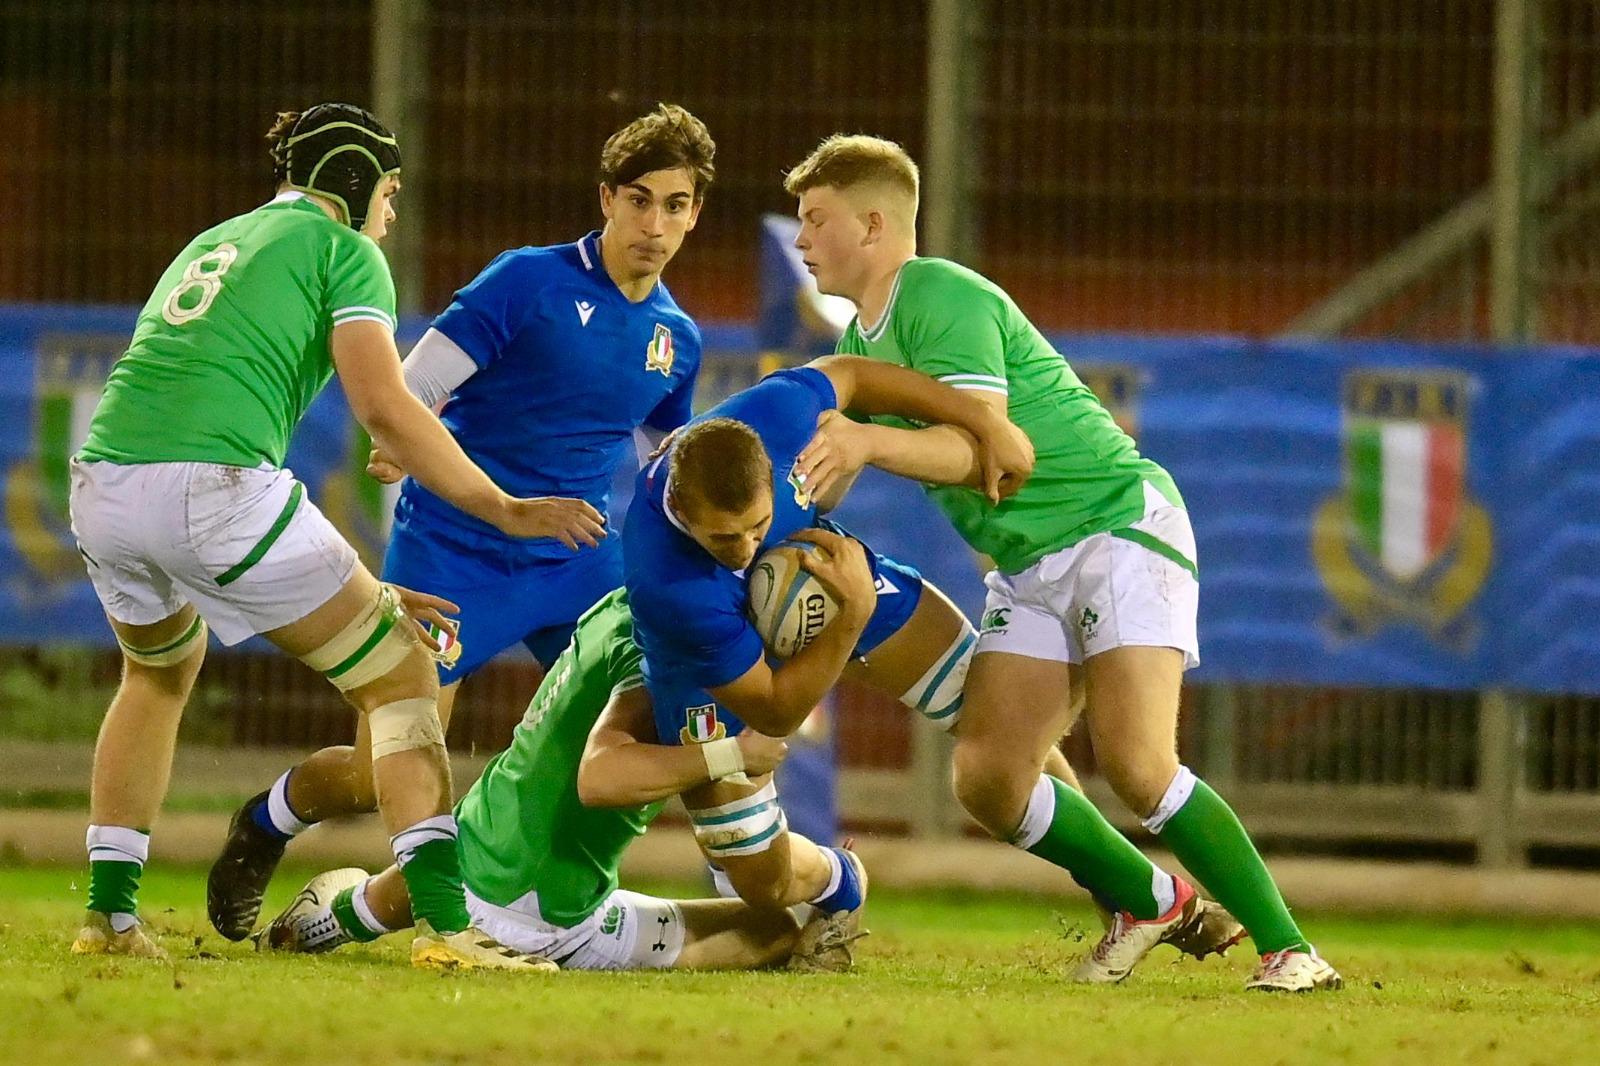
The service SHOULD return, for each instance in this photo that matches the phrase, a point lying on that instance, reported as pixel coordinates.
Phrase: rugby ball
(788, 606)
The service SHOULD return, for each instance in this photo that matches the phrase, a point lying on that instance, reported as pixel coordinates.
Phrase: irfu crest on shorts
(70, 373)
(658, 355)
(1403, 542)
(702, 725)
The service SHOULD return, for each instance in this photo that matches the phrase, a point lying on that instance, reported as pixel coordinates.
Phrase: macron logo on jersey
(585, 309)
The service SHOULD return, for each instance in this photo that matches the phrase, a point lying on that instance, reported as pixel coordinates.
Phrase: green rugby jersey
(232, 346)
(523, 828)
(954, 324)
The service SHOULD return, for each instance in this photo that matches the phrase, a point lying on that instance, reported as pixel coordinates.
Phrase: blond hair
(848, 160)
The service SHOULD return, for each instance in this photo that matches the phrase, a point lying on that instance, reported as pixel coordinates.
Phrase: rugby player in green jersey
(544, 830)
(187, 519)
(1095, 572)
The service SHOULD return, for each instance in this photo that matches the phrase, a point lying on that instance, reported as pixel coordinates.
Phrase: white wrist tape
(724, 758)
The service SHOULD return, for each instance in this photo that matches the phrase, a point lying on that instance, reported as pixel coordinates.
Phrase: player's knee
(992, 785)
(352, 775)
(1140, 778)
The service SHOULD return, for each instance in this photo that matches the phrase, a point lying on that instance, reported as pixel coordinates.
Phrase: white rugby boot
(1293, 970)
(1130, 939)
(307, 925)
(471, 949)
(98, 938)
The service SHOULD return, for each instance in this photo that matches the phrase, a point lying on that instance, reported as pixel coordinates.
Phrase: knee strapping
(172, 652)
(404, 725)
(745, 826)
(376, 642)
(937, 694)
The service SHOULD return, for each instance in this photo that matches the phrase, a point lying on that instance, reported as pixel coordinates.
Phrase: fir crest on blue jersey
(658, 355)
(703, 726)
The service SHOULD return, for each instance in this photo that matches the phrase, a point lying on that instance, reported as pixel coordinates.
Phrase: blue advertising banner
(1367, 513)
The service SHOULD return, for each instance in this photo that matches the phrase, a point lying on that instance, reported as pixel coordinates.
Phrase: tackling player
(1094, 569)
(545, 365)
(544, 830)
(186, 517)
(729, 487)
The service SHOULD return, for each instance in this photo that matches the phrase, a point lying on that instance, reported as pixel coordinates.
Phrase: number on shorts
(205, 274)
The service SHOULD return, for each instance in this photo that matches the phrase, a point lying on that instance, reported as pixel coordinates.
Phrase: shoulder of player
(942, 278)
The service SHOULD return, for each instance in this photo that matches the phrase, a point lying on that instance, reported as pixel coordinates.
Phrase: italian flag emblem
(702, 726)
(658, 354)
(1405, 478)
(1404, 541)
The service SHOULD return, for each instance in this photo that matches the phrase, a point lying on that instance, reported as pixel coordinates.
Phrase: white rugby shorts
(1130, 587)
(247, 547)
(627, 931)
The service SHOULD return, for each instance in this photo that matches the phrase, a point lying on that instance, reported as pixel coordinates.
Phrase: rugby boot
(1212, 931)
(97, 937)
(239, 878)
(307, 925)
(471, 949)
(825, 943)
(1130, 939)
(1293, 970)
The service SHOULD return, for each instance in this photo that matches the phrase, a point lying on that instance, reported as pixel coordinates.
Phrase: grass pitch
(949, 978)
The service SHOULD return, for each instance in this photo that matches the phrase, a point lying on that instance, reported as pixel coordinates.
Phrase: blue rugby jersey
(567, 369)
(688, 610)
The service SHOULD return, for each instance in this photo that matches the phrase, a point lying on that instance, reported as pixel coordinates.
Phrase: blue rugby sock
(845, 890)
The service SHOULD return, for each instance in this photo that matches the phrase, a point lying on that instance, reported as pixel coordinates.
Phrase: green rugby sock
(1062, 827)
(117, 856)
(1205, 835)
(350, 920)
(428, 861)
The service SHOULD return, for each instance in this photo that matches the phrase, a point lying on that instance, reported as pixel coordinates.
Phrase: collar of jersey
(295, 201)
(589, 255)
(882, 324)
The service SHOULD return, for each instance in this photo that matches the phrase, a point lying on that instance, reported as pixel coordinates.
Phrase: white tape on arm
(724, 758)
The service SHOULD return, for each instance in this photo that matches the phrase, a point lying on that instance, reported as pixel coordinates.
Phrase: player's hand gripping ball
(788, 606)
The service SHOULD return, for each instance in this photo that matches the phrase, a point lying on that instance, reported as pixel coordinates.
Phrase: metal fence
(1123, 164)
(1422, 167)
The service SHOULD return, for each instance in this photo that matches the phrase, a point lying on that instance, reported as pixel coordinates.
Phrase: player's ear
(694, 214)
(607, 196)
(875, 223)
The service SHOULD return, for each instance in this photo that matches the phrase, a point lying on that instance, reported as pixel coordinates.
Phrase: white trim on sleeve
(380, 319)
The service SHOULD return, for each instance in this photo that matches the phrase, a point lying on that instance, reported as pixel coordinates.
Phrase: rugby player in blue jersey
(726, 490)
(730, 487)
(545, 365)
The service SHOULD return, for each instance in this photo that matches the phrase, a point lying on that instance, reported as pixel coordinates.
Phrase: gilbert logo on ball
(788, 606)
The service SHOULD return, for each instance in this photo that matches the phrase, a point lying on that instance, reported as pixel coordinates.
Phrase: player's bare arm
(623, 766)
(369, 368)
(1001, 456)
(775, 702)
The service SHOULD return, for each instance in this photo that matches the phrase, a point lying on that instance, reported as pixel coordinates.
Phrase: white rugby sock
(358, 903)
(282, 816)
